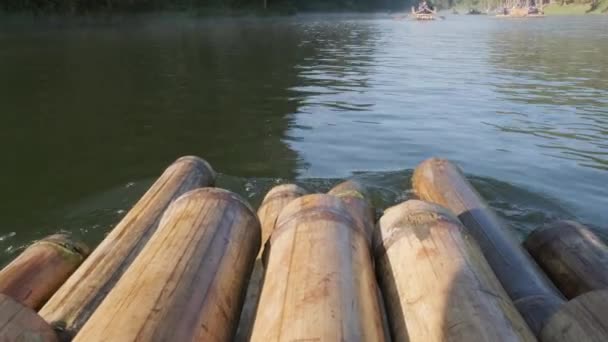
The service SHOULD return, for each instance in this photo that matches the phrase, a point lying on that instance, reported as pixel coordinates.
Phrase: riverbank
(554, 9)
(576, 9)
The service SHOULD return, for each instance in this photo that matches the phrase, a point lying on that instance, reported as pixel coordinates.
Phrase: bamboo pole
(436, 282)
(572, 255)
(19, 323)
(188, 283)
(319, 283)
(41, 269)
(441, 182)
(583, 319)
(357, 200)
(76, 300)
(274, 201)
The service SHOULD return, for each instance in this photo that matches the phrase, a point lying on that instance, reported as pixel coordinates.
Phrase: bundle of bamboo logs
(188, 282)
(441, 182)
(436, 282)
(572, 256)
(191, 262)
(72, 305)
(319, 283)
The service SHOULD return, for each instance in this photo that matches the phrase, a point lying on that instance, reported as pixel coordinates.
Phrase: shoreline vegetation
(237, 8)
(556, 7)
(577, 9)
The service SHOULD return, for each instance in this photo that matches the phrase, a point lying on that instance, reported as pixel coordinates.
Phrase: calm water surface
(93, 112)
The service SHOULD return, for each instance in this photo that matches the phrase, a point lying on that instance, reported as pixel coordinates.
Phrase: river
(93, 110)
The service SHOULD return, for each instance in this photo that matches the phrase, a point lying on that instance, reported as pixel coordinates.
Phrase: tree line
(256, 5)
(275, 6)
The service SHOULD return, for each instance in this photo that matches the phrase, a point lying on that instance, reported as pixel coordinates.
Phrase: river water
(93, 110)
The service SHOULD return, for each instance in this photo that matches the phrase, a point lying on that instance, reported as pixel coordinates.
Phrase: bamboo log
(319, 283)
(19, 323)
(274, 201)
(188, 283)
(441, 182)
(436, 282)
(572, 255)
(76, 300)
(356, 198)
(41, 269)
(583, 319)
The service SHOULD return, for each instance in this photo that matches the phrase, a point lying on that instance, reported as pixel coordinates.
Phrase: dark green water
(93, 112)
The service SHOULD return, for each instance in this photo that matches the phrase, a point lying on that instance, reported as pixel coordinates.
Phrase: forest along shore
(278, 7)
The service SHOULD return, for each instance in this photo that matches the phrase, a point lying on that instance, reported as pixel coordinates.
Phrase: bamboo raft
(521, 13)
(423, 16)
(190, 262)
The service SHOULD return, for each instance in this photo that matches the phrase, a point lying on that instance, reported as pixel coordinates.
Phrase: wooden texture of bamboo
(189, 281)
(74, 302)
(319, 283)
(441, 182)
(356, 198)
(436, 282)
(274, 201)
(19, 323)
(583, 319)
(41, 269)
(572, 255)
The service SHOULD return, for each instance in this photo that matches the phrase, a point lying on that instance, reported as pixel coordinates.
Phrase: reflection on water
(92, 113)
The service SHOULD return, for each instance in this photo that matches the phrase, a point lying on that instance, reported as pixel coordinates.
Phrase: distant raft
(422, 15)
(531, 12)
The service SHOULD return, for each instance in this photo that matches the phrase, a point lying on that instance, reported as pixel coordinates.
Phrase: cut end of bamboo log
(408, 215)
(68, 243)
(584, 318)
(308, 206)
(418, 213)
(281, 191)
(572, 256)
(357, 199)
(349, 188)
(275, 200)
(34, 276)
(21, 324)
(425, 175)
(201, 164)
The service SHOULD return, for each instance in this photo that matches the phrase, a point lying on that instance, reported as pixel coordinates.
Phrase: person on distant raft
(533, 9)
(424, 7)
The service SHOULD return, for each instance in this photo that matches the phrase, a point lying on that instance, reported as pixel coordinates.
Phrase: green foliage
(257, 6)
(287, 6)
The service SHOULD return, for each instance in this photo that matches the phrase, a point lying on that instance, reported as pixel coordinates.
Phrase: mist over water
(93, 112)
